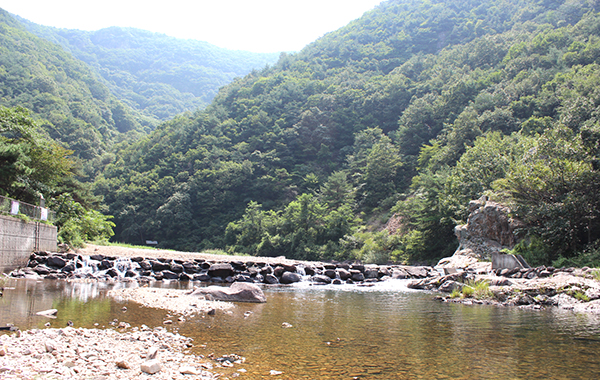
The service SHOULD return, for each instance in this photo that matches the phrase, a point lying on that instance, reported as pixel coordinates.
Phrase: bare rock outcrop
(489, 230)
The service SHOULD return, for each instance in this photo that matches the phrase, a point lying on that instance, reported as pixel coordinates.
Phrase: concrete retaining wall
(503, 261)
(18, 239)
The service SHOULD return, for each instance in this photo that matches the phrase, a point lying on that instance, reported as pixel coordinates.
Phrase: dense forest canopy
(159, 76)
(369, 143)
(74, 109)
(410, 111)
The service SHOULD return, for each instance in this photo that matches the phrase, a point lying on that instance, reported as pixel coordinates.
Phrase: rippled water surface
(383, 332)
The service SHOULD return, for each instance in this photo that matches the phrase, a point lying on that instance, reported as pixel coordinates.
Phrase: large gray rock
(237, 292)
(56, 261)
(289, 278)
(321, 278)
(222, 270)
(417, 272)
(489, 229)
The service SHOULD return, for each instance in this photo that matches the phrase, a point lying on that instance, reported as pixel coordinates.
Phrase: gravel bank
(70, 353)
(176, 301)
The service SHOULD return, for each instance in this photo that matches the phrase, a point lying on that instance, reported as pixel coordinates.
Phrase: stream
(343, 332)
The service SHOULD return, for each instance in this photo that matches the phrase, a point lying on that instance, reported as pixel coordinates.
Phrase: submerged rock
(237, 292)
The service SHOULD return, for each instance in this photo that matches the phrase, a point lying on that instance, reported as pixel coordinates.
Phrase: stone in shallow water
(237, 292)
(289, 278)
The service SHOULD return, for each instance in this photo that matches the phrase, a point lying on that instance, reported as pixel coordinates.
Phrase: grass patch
(124, 245)
(473, 289)
(579, 295)
(133, 246)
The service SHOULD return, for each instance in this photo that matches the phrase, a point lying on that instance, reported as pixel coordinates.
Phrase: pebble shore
(180, 302)
(78, 353)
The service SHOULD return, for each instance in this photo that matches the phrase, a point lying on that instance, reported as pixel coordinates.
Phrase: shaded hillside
(411, 110)
(158, 75)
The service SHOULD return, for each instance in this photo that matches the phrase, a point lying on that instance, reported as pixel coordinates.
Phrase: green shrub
(533, 250)
(476, 289)
(579, 295)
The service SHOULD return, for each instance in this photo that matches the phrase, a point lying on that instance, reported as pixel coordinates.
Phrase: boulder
(237, 292)
(344, 274)
(309, 270)
(278, 271)
(271, 279)
(159, 266)
(399, 274)
(357, 275)
(489, 229)
(267, 269)
(191, 267)
(176, 268)
(168, 275)
(151, 366)
(56, 262)
(449, 286)
(371, 271)
(321, 278)
(417, 272)
(331, 273)
(289, 278)
(222, 270)
(204, 277)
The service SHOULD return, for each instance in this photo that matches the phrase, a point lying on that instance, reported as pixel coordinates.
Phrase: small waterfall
(300, 270)
(122, 265)
(85, 266)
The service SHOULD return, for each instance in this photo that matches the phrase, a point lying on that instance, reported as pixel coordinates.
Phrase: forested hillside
(159, 76)
(406, 113)
(58, 126)
(72, 107)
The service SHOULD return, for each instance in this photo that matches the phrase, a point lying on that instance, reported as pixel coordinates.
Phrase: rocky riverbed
(77, 353)
(158, 266)
(125, 352)
(576, 289)
(569, 288)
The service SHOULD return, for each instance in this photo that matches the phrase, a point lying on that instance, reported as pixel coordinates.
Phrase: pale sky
(262, 26)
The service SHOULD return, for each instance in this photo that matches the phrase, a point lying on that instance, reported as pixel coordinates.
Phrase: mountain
(369, 143)
(366, 145)
(158, 75)
(61, 92)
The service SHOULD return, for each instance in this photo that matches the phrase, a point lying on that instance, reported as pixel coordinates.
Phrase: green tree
(553, 187)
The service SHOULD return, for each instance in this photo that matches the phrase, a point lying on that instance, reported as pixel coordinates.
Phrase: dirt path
(92, 249)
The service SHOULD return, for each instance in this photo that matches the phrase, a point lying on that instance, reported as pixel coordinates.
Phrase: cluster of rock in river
(566, 287)
(99, 267)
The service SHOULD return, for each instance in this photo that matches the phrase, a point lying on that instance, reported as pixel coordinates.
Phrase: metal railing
(9, 206)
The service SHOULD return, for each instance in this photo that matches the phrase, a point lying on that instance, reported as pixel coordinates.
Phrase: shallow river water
(345, 332)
